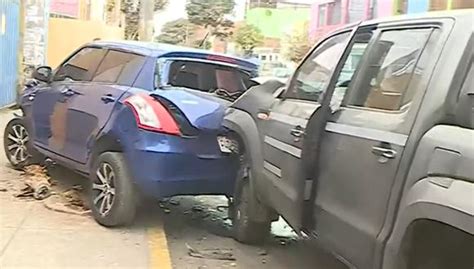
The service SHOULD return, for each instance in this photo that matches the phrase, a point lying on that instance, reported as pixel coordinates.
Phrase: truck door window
(392, 65)
(311, 79)
(351, 65)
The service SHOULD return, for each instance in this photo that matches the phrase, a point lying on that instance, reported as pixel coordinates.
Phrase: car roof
(153, 49)
(466, 15)
(455, 14)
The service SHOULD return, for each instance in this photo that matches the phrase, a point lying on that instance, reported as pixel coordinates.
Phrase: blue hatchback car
(137, 119)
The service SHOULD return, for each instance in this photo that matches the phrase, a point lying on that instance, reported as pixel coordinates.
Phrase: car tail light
(151, 115)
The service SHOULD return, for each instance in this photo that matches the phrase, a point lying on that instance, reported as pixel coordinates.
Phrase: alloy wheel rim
(104, 189)
(17, 141)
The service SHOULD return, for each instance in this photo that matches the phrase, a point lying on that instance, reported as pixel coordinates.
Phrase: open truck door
(284, 182)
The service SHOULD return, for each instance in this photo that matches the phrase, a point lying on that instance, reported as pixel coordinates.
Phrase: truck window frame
(399, 121)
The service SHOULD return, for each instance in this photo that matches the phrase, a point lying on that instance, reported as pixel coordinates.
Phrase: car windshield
(207, 77)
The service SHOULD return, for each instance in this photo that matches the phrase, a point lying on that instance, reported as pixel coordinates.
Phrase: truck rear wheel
(436, 245)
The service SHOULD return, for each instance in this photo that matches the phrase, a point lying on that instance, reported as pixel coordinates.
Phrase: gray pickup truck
(369, 148)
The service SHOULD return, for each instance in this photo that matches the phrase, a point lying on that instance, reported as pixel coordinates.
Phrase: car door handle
(385, 152)
(298, 131)
(108, 98)
(68, 92)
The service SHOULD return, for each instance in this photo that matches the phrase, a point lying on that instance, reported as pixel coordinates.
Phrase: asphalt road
(181, 232)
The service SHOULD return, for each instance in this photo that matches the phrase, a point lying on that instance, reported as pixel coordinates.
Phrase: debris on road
(215, 254)
(222, 208)
(69, 201)
(57, 203)
(37, 181)
(174, 202)
(38, 185)
(197, 208)
(74, 199)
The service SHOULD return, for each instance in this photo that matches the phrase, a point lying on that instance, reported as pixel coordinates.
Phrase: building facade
(327, 15)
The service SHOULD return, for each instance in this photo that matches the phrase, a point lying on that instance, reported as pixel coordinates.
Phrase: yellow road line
(159, 256)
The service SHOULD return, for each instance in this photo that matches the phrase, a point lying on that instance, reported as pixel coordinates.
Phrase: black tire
(245, 229)
(118, 187)
(18, 145)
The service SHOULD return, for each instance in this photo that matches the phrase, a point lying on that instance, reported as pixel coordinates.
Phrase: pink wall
(65, 7)
(313, 19)
(384, 8)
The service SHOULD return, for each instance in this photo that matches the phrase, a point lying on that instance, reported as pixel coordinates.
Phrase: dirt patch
(38, 185)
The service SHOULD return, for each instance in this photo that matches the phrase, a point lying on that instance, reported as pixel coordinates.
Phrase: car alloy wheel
(104, 188)
(17, 144)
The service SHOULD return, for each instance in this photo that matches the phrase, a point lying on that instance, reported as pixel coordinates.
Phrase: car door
(92, 102)
(365, 138)
(68, 81)
(50, 101)
(284, 128)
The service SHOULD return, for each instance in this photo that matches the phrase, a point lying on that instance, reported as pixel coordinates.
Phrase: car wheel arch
(425, 202)
(242, 125)
(105, 143)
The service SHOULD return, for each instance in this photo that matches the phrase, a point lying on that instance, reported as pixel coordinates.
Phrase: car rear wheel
(17, 144)
(245, 229)
(112, 192)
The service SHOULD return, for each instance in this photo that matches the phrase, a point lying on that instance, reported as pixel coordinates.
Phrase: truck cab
(369, 147)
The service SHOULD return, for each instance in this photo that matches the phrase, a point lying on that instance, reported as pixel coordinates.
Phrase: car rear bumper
(165, 165)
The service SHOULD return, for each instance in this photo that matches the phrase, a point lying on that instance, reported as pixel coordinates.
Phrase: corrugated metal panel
(438, 5)
(356, 10)
(462, 4)
(9, 35)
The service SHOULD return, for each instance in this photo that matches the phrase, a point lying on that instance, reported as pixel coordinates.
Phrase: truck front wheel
(246, 229)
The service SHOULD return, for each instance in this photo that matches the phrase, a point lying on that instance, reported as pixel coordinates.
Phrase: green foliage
(211, 15)
(248, 37)
(131, 9)
(159, 4)
(177, 32)
(110, 6)
(298, 44)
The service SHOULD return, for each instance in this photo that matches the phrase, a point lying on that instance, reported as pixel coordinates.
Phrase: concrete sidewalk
(32, 236)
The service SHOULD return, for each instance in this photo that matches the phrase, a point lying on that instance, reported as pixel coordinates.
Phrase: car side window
(392, 65)
(312, 77)
(119, 67)
(81, 66)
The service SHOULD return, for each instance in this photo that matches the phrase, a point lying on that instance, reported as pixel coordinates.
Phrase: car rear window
(207, 77)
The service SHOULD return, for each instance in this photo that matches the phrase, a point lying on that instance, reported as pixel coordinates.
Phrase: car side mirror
(43, 73)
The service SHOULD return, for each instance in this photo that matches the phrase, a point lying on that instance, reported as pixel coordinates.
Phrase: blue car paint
(165, 165)
(203, 110)
(162, 165)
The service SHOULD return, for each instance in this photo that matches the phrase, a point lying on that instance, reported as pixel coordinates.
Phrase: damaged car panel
(137, 119)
